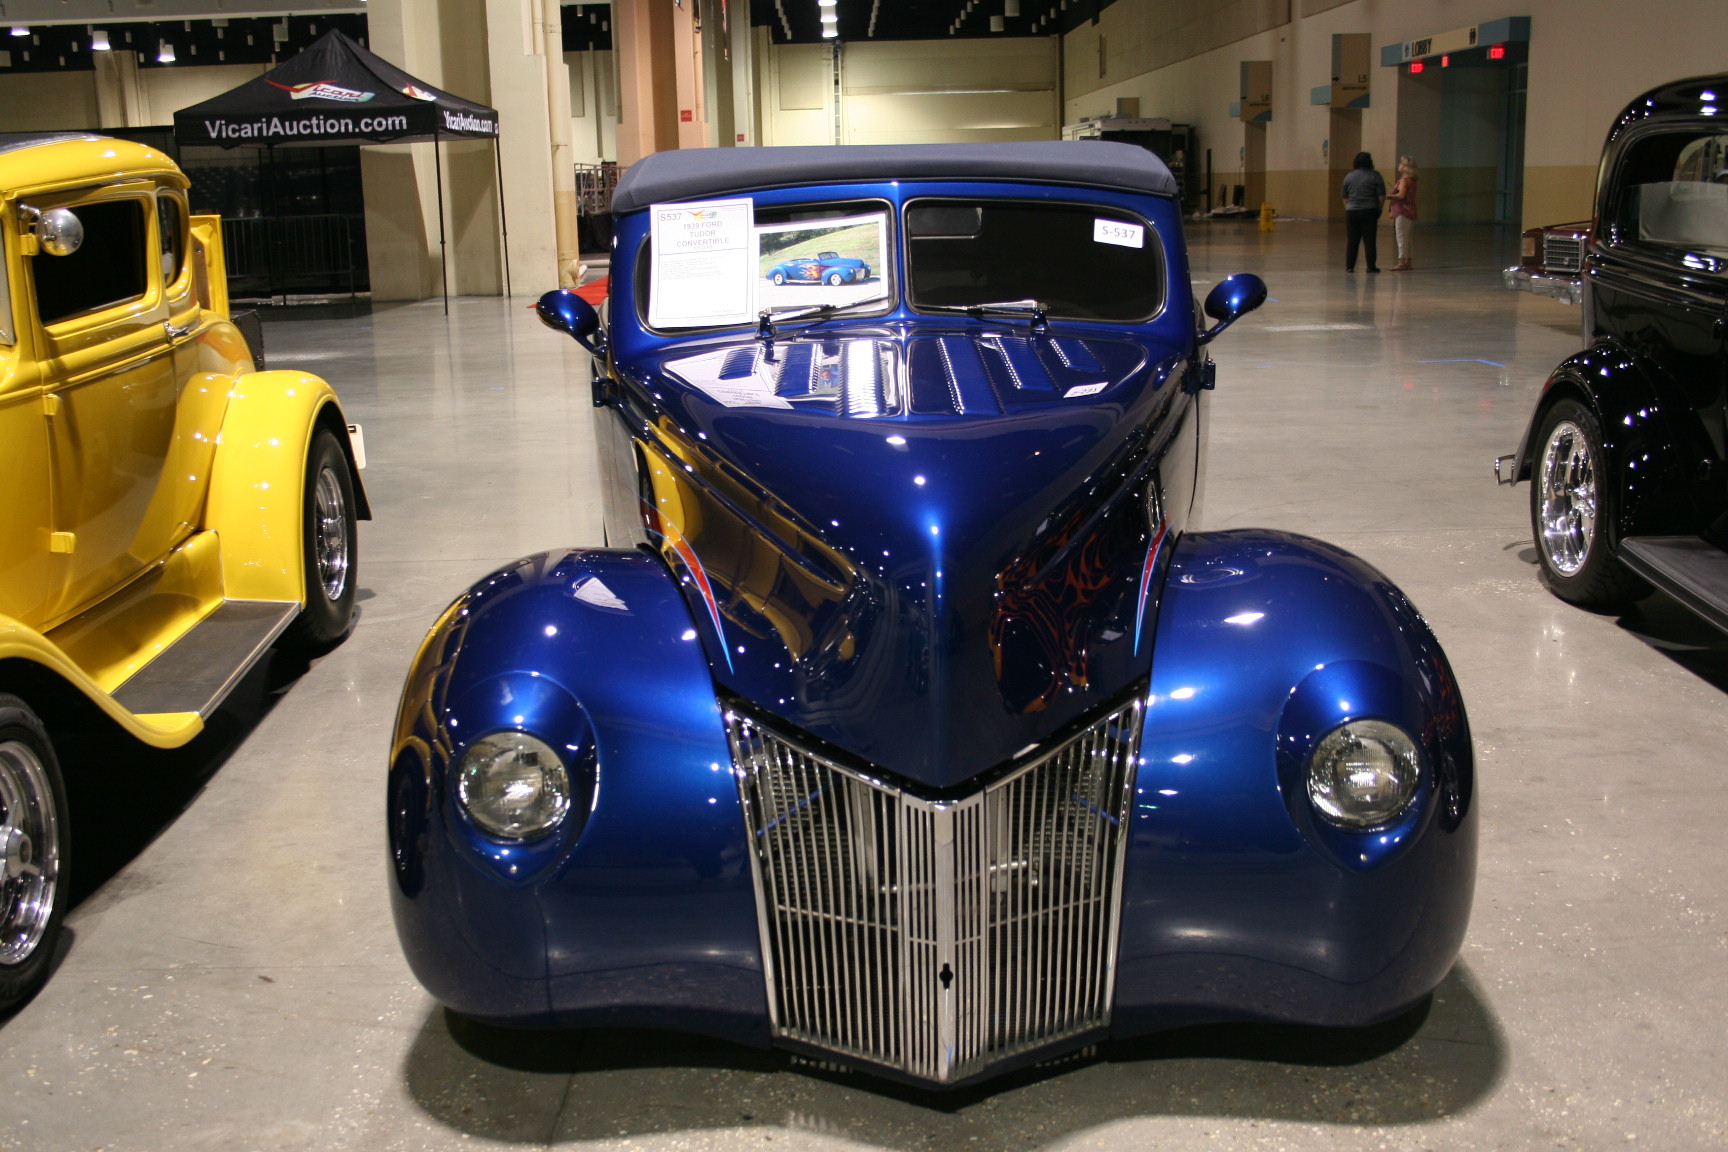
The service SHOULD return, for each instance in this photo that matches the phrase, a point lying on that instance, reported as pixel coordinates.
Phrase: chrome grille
(1561, 253)
(938, 938)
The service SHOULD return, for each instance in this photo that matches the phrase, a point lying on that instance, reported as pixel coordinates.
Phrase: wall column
(399, 179)
(687, 67)
(523, 74)
(493, 52)
(647, 78)
(120, 98)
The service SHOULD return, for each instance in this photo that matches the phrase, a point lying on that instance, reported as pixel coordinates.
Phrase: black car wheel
(1569, 513)
(33, 853)
(835, 279)
(328, 547)
(778, 278)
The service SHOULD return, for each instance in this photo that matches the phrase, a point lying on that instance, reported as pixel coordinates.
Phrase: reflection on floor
(232, 980)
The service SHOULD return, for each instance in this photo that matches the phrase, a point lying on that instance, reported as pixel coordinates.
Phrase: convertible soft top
(708, 172)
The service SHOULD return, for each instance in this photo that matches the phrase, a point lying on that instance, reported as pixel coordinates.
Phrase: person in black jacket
(1363, 192)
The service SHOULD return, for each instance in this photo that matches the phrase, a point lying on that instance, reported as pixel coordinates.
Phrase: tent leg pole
(503, 224)
(443, 255)
(270, 225)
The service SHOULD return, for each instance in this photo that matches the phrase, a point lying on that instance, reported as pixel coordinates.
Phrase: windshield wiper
(765, 318)
(1036, 309)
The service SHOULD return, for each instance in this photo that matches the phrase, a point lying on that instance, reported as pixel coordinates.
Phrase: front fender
(643, 911)
(1238, 901)
(1653, 442)
(256, 481)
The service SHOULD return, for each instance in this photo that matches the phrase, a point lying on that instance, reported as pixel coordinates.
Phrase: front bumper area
(1567, 289)
(740, 879)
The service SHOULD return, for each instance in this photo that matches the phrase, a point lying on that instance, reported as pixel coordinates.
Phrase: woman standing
(1403, 200)
(1363, 191)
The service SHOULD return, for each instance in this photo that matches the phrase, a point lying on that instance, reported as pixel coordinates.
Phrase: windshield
(1045, 260)
(1081, 261)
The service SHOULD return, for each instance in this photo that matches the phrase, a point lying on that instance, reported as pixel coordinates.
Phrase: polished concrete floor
(232, 980)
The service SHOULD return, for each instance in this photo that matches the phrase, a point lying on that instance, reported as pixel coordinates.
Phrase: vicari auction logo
(417, 92)
(323, 90)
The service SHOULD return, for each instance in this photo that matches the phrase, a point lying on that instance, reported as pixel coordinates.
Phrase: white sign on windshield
(1116, 232)
(704, 255)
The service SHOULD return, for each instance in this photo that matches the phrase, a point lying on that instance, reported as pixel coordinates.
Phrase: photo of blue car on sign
(907, 718)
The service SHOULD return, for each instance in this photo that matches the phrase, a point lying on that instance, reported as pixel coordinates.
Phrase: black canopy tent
(336, 92)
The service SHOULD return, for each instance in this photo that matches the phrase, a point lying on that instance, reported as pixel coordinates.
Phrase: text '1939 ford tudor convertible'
(903, 721)
(168, 514)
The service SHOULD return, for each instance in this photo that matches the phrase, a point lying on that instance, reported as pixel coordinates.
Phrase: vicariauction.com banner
(277, 127)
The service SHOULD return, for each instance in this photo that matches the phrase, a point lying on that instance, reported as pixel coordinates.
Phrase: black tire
(1571, 510)
(329, 549)
(778, 278)
(34, 853)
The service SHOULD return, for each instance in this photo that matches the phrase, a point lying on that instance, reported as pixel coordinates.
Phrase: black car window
(1675, 191)
(1083, 261)
(108, 268)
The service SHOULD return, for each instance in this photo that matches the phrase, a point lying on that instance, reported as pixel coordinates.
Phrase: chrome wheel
(1566, 498)
(29, 851)
(330, 534)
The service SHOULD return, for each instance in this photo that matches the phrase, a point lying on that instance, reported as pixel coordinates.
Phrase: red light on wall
(1496, 51)
(1445, 61)
(1415, 67)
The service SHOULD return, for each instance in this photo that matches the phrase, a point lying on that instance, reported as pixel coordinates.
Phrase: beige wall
(797, 92)
(593, 105)
(47, 101)
(64, 100)
(909, 91)
(167, 90)
(1579, 79)
(943, 91)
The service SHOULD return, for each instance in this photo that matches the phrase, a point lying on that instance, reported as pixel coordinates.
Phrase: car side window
(1675, 192)
(171, 227)
(107, 269)
(6, 334)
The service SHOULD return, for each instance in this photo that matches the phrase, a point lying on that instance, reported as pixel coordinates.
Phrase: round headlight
(512, 786)
(1363, 773)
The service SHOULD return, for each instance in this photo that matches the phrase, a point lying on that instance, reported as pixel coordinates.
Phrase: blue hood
(924, 549)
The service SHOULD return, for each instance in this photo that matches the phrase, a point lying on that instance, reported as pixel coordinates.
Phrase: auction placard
(704, 258)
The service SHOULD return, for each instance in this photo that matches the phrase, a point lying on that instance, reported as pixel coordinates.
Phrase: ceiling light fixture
(20, 30)
(99, 41)
(996, 24)
(165, 53)
(1011, 7)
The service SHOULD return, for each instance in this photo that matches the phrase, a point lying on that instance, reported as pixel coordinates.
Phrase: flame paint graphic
(1146, 580)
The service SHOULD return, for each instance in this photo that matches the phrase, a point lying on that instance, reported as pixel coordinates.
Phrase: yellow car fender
(22, 643)
(255, 504)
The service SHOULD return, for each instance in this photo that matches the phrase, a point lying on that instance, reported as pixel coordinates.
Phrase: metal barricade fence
(271, 256)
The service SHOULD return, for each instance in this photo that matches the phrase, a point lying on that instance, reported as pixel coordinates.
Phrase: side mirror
(564, 311)
(1231, 299)
(60, 232)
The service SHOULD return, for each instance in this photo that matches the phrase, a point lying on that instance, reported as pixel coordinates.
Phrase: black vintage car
(1628, 449)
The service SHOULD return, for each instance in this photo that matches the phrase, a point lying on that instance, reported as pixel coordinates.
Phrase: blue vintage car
(905, 720)
(822, 268)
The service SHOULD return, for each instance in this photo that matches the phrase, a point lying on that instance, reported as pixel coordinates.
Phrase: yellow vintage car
(168, 513)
